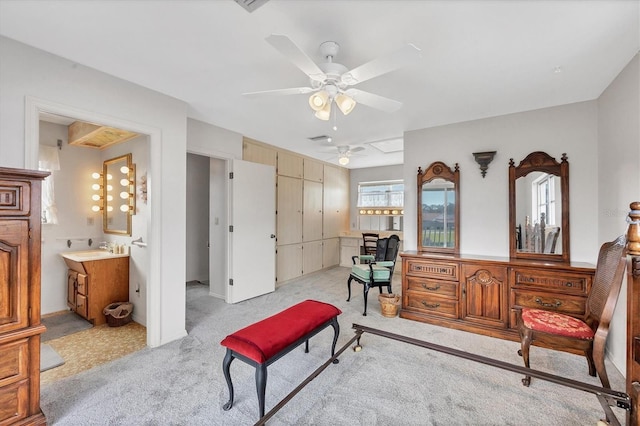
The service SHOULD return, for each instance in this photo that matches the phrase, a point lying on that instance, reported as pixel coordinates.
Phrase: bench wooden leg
(336, 332)
(349, 287)
(226, 363)
(261, 385)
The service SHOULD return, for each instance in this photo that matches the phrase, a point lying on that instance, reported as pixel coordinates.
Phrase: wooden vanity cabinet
(20, 326)
(480, 294)
(92, 285)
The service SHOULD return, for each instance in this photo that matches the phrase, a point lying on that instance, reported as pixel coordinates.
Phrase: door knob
(273, 235)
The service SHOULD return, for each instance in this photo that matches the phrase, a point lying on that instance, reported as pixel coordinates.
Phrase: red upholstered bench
(266, 341)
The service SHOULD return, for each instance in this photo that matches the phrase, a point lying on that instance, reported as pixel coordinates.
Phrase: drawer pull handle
(437, 287)
(548, 305)
(430, 305)
(568, 284)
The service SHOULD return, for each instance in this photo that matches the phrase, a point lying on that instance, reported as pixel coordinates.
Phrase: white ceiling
(479, 58)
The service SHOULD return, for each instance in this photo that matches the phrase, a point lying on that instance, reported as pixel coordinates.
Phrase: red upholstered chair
(586, 335)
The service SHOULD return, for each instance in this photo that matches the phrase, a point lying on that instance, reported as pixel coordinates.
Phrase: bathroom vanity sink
(89, 255)
(96, 278)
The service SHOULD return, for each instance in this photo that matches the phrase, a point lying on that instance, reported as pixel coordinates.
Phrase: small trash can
(389, 304)
(118, 313)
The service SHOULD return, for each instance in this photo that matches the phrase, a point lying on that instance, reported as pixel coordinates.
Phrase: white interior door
(252, 242)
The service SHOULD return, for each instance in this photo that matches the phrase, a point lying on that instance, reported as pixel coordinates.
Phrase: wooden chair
(375, 270)
(370, 242)
(586, 335)
(551, 240)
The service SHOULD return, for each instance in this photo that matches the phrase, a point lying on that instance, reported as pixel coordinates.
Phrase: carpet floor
(386, 383)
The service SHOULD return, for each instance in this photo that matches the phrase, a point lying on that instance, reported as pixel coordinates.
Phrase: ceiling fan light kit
(330, 80)
(345, 103)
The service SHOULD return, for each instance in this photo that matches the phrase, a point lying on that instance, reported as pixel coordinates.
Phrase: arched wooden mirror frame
(439, 170)
(540, 162)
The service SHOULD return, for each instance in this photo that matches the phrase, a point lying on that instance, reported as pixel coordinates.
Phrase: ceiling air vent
(251, 5)
(322, 138)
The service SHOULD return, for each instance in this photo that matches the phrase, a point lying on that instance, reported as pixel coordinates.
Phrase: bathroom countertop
(91, 255)
(358, 234)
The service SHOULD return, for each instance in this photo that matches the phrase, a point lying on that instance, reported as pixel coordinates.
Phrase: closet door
(289, 211)
(312, 211)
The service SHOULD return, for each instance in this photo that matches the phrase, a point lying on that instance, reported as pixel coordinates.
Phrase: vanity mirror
(119, 195)
(539, 208)
(439, 209)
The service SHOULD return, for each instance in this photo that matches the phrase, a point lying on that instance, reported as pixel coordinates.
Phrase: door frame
(227, 158)
(34, 107)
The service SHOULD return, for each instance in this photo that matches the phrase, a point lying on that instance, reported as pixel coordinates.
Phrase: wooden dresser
(479, 293)
(20, 326)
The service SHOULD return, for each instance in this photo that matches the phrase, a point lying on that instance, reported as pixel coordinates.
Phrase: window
(381, 194)
(380, 205)
(545, 203)
(48, 160)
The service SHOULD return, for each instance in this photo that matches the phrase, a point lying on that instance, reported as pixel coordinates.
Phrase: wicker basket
(118, 313)
(389, 304)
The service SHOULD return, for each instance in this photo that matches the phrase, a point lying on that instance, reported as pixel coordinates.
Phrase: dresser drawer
(432, 305)
(433, 269)
(82, 308)
(14, 401)
(440, 288)
(564, 282)
(13, 361)
(14, 198)
(572, 305)
(83, 284)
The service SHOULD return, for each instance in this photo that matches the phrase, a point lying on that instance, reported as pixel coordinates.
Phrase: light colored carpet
(49, 358)
(387, 383)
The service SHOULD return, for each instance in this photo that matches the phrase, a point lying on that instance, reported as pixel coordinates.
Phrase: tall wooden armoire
(20, 327)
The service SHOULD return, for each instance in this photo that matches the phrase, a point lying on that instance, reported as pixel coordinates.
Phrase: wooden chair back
(370, 242)
(606, 284)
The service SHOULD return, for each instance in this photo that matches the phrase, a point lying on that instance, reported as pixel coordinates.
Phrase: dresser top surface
(413, 254)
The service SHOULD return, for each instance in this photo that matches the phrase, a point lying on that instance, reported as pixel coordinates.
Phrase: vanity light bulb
(95, 208)
(124, 195)
(109, 177)
(95, 186)
(124, 182)
(109, 187)
(95, 175)
(124, 208)
(124, 169)
(109, 197)
(109, 208)
(95, 197)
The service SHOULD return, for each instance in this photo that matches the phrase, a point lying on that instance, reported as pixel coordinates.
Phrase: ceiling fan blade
(357, 148)
(382, 65)
(290, 91)
(374, 101)
(300, 59)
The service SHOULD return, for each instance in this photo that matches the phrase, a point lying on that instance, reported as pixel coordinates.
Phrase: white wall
(72, 189)
(618, 177)
(138, 256)
(197, 218)
(218, 228)
(484, 202)
(45, 82)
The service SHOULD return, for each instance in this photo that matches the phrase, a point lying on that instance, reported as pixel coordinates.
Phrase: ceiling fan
(331, 82)
(345, 152)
